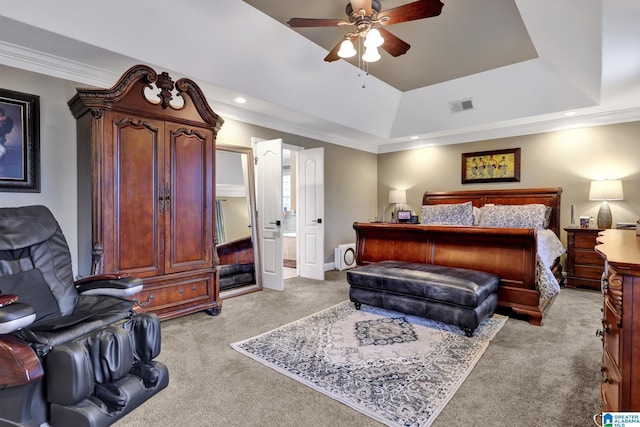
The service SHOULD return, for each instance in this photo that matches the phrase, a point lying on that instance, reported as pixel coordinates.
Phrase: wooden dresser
(620, 387)
(584, 264)
(146, 188)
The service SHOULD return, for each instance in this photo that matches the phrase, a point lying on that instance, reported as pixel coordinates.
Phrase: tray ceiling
(522, 63)
(468, 37)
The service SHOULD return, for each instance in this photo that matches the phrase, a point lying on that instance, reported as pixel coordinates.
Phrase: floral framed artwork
(19, 142)
(491, 166)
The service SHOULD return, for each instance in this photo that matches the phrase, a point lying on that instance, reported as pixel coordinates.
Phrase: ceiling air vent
(461, 105)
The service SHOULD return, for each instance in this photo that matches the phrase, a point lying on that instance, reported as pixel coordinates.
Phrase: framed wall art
(19, 142)
(491, 166)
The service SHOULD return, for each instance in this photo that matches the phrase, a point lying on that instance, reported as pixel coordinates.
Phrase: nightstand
(584, 265)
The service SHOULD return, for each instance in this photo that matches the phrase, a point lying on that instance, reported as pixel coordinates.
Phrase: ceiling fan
(369, 23)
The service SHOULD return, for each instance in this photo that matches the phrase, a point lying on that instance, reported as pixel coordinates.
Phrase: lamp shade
(371, 54)
(397, 196)
(606, 190)
(373, 38)
(346, 49)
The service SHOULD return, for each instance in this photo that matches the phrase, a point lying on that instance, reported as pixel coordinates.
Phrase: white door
(269, 205)
(311, 213)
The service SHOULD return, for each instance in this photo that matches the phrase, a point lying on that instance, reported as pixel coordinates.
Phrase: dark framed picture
(491, 166)
(19, 142)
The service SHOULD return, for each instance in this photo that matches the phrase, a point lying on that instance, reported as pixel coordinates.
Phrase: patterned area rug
(400, 370)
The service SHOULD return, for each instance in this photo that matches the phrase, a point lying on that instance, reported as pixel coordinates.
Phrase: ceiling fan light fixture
(369, 24)
(346, 49)
(371, 54)
(373, 38)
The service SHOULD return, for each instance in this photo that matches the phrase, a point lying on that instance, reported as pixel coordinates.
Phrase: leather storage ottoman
(452, 295)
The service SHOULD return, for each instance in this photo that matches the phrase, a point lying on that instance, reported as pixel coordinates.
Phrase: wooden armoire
(146, 188)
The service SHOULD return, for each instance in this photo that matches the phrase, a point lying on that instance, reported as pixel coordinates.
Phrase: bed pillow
(514, 216)
(448, 214)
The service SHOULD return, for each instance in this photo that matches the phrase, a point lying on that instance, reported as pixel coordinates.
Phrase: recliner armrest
(15, 315)
(109, 284)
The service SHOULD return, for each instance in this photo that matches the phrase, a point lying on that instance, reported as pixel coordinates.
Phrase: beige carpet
(529, 376)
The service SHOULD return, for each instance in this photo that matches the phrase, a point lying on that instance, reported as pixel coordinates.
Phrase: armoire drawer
(163, 295)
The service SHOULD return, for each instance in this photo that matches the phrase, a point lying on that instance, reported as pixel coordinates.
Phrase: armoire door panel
(190, 181)
(138, 197)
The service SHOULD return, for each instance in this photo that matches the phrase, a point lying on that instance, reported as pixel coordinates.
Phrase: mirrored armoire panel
(236, 230)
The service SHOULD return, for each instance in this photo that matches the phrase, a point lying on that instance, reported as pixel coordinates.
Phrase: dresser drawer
(611, 336)
(585, 240)
(589, 257)
(610, 387)
(588, 271)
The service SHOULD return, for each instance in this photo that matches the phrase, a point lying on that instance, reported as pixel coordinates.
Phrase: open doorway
(308, 214)
(289, 209)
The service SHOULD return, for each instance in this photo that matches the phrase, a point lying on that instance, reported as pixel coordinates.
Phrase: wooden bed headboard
(546, 196)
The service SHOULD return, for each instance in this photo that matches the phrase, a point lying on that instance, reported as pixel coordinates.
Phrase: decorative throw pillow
(514, 216)
(452, 214)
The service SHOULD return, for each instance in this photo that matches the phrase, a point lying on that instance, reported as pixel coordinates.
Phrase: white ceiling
(584, 56)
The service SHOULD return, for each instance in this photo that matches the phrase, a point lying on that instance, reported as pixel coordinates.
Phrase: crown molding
(36, 61)
(54, 66)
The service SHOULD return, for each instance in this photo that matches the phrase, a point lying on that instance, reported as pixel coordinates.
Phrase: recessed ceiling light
(569, 113)
(415, 137)
(240, 100)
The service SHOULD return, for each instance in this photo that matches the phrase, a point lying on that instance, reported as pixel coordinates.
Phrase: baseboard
(329, 266)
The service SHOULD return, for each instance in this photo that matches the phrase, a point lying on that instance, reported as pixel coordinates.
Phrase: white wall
(57, 151)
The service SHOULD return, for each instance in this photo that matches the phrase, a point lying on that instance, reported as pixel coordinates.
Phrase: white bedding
(549, 248)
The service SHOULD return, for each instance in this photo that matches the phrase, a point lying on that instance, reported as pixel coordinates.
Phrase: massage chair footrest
(91, 412)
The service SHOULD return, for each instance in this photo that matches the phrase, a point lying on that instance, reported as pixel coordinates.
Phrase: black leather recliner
(71, 353)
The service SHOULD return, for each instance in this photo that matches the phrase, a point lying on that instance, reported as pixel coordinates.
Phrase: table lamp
(605, 190)
(397, 197)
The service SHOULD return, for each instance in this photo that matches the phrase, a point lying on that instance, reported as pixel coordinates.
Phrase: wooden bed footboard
(236, 252)
(510, 253)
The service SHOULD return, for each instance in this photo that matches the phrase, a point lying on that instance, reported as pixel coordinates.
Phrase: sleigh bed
(524, 254)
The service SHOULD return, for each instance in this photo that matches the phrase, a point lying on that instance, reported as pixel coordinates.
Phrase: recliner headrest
(25, 226)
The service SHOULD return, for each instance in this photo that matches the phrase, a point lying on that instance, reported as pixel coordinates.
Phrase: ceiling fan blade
(410, 12)
(313, 22)
(392, 44)
(333, 54)
(361, 4)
